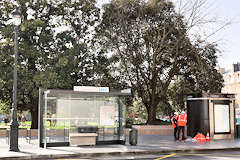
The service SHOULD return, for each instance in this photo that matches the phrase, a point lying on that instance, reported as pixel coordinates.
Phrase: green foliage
(147, 42)
(136, 113)
(205, 74)
(4, 109)
(54, 48)
(176, 96)
(150, 47)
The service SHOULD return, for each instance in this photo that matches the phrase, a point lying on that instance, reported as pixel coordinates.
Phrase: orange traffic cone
(207, 137)
(201, 138)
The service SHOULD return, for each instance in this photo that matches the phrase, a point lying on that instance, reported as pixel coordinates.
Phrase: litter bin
(87, 129)
(133, 136)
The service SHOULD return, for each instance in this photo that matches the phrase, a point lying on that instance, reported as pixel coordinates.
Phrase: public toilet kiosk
(89, 116)
(213, 113)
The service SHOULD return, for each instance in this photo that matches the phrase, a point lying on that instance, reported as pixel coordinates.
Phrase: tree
(54, 48)
(150, 43)
(4, 109)
(136, 113)
(205, 79)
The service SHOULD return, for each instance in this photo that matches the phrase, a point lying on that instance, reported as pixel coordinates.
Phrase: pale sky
(230, 10)
(227, 38)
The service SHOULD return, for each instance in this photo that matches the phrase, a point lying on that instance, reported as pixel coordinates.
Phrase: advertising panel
(107, 115)
(221, 118)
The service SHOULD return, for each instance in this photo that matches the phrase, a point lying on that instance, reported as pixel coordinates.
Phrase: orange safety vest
(182, 120)
(200, 137)
(173, 124)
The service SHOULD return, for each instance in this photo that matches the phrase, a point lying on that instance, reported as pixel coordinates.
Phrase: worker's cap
(176, 113)
(183, 112)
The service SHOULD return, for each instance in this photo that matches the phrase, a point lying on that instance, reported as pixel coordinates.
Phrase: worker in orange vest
(175, 126)
(182, 122)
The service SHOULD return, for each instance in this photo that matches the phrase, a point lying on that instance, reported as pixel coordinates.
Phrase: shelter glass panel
(66, 113)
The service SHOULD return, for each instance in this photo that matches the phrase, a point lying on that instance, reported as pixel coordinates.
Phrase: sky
(228, 38)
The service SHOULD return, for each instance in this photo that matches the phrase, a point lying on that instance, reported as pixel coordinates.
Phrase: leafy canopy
(151, 46)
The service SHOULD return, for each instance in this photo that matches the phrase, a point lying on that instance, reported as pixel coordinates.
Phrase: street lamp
(14, 122)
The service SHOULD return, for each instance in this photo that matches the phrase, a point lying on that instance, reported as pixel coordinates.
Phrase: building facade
(232, 85)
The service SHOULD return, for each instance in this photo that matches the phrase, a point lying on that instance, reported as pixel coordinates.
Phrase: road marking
(210, 154)
(73, 159)
(170, 155)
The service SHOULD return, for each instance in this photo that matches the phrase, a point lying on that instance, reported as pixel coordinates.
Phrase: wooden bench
(77, 139)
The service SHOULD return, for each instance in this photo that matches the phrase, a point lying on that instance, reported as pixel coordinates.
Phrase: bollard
(7, 135)
(133, 136)
(28, 135)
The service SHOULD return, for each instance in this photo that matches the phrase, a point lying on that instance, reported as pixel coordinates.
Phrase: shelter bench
(77, 139)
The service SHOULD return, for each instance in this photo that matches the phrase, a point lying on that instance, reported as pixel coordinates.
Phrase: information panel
(107, 115)
(221, 118)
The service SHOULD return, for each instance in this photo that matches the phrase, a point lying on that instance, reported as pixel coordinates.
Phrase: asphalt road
(234, 155)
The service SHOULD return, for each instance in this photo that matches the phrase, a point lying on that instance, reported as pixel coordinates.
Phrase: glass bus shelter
(66, 112)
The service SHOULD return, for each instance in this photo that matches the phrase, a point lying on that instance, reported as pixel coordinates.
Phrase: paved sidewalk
(147, 144)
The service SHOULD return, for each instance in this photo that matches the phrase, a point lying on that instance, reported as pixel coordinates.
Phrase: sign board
(90, 89)
(107, 115)
(221, 118)
(126, 90)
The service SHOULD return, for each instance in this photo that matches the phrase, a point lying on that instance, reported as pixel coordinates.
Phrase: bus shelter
(68, 117)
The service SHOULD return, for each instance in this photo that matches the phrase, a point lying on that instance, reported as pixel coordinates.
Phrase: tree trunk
(34, 115)
(152, 109)
(151, 114)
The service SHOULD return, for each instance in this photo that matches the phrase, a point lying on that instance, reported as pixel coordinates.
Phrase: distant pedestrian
(175, 126)
(53, 120)
(6, 120)
(182, 122)
(19, 118)
(48, 119)
(23, 119)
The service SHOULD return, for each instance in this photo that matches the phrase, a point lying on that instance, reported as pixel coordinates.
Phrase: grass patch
(22, 125)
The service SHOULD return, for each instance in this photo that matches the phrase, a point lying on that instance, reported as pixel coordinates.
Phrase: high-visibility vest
(182, 120)
(173, 124)
(196, 137)
(200, 138)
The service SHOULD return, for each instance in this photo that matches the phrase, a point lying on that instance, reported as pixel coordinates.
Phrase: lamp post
(14, 122)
